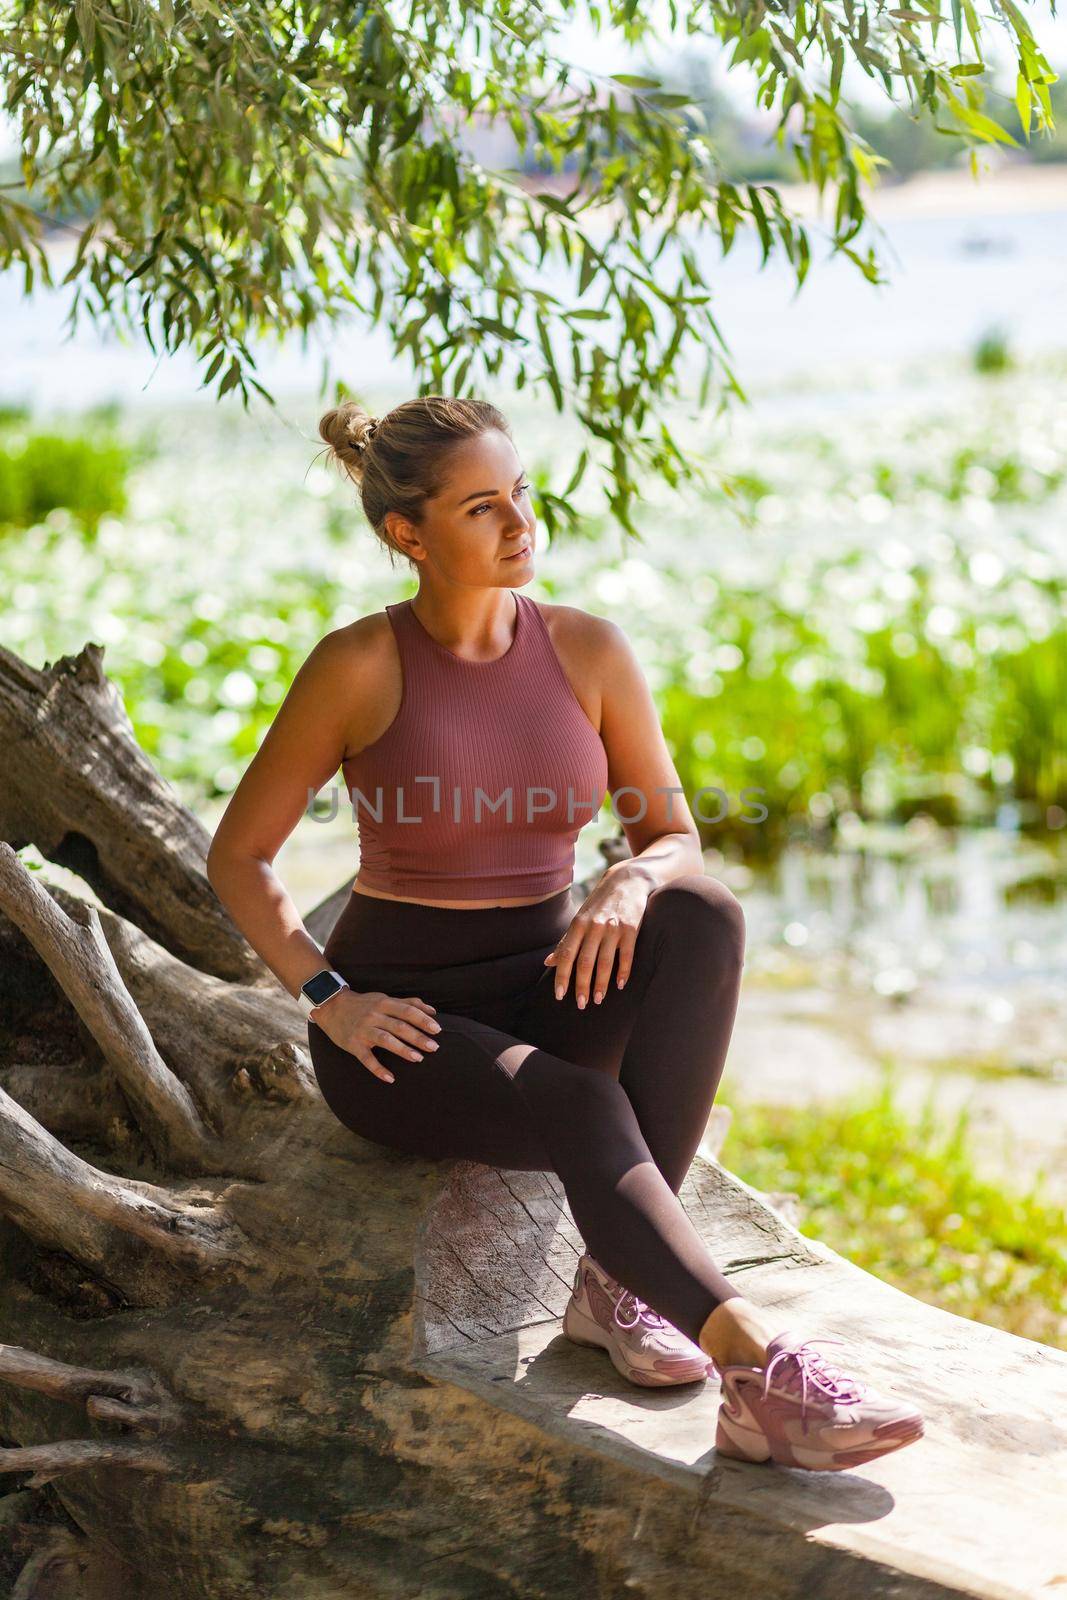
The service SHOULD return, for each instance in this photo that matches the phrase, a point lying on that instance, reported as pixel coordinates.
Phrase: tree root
(78, 956)
(47, 1461)
(136, 1399)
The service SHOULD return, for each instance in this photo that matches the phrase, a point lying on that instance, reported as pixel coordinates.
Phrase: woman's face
(481, 518)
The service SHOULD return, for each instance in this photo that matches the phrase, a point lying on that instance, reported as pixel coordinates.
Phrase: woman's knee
(701, 910)
(569, 1093)
(589, 1120)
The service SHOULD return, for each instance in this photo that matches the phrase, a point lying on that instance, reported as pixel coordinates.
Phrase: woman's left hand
(606, 923)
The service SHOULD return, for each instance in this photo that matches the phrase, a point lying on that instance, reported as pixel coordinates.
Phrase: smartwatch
(322, 986)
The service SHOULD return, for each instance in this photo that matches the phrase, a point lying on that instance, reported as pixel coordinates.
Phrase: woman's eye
(522, 489)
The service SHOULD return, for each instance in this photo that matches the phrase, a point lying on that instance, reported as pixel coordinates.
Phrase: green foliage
(202, 705)
(913, 143)
(901, 1197)
(797, 701)
(1052, 146)
(991, 353)
(86, 474)
(1029, 715)
(886, 634)
(246, 170)
(905, 138)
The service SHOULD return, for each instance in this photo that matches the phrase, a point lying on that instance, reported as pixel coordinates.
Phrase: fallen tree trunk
(255, 1355)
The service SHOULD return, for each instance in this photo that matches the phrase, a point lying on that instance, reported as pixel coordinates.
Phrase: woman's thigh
(458, 1101)
(595, 1036)
(691, 915)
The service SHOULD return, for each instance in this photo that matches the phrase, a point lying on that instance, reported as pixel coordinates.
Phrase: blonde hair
(399, 461)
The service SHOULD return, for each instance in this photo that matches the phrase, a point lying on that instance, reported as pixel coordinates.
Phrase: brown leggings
(614, 1098)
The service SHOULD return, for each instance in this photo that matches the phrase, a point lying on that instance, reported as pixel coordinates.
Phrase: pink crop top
(482, 782)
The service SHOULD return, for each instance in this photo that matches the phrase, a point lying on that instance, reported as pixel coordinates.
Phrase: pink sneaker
(643, 1346)
(799, 1410)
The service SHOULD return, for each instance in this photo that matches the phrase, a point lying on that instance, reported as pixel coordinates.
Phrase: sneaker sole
(751, 1444)
(580, 1329)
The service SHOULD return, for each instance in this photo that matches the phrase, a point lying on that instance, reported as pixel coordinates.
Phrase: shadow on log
(254, 1355)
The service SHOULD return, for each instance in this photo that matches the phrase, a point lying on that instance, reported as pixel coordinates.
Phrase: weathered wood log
(79, 957)
(255, 1355)
(79, 787)
(66, 1566)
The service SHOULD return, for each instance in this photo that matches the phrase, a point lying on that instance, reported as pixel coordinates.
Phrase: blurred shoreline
(1006, 189)
(1002, 188)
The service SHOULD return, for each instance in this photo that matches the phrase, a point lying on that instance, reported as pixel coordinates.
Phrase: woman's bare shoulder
(587, 637)
(360, 661)
(586, 646)
(354, 647)
(363, 633)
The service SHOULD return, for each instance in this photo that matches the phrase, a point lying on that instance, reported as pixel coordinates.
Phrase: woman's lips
(517, 555)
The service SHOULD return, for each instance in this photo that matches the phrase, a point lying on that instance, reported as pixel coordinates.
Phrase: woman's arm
(663, 836)
(303, 748)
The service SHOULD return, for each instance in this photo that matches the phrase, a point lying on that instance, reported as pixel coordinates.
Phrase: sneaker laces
(814, 1368)
(626, 1300)
(642, 1312)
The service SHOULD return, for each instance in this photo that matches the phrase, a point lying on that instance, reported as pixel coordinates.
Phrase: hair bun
(363, 431)
(348, 429)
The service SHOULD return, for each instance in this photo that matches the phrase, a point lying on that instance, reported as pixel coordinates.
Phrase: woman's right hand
(359, 1022)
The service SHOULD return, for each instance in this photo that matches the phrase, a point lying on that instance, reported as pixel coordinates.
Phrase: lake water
(953, 279)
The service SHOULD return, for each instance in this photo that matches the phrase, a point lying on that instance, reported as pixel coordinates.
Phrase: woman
(461, 1006)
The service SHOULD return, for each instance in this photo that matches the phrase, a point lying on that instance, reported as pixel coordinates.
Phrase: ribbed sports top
(482, 782)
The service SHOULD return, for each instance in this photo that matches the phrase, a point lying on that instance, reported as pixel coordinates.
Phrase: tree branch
(131, 1398)
(86, 795)
(103, 1221)
(47, 1461)
(79, 957)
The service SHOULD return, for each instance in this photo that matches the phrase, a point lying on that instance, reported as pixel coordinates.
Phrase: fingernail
(599, 996)
(559, 994)
(432, 1045)
(581, 1002)
(436, 1026)
(389, 1078)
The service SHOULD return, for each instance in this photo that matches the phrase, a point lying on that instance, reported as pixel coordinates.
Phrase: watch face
(321, 987)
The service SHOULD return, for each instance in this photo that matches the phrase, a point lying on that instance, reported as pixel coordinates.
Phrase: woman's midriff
(450, 905)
